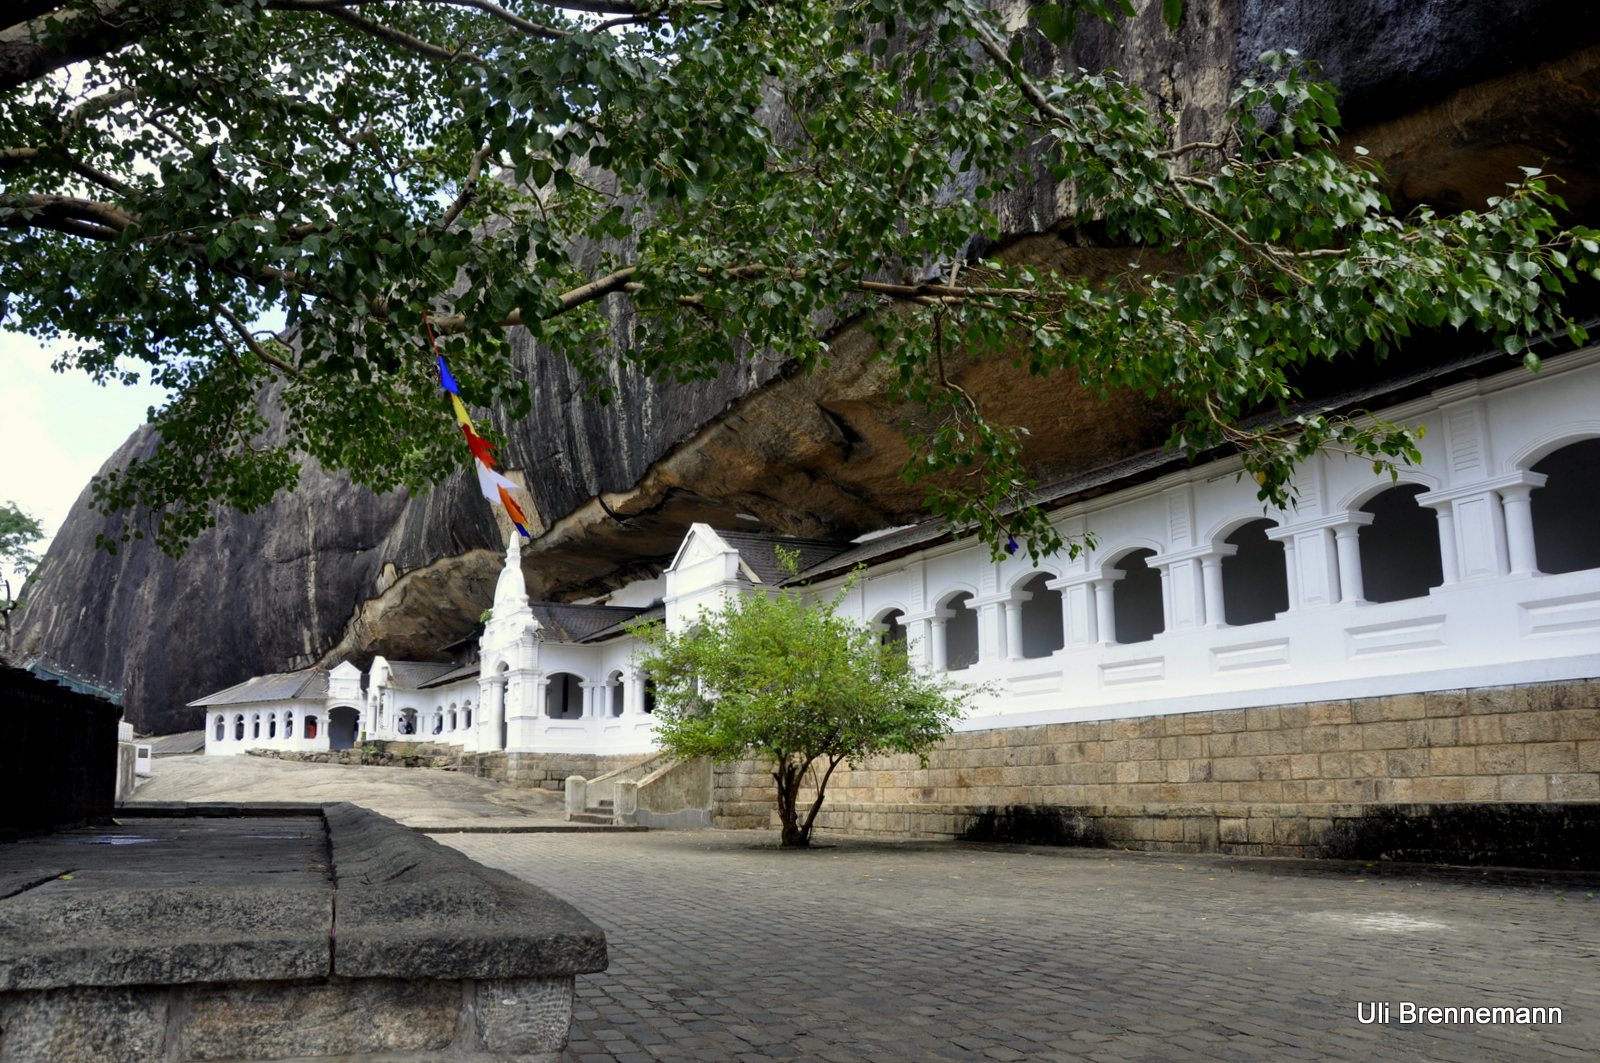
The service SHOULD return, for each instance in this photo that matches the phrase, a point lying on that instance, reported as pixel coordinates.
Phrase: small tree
(18, 533)
(794, 683)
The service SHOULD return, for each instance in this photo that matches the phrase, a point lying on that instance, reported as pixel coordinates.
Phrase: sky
(56, 429)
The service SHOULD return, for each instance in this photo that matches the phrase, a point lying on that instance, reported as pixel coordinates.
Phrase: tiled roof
(414, 675)
(559, 622)
(308, 683)
(647, 613)
(760, 552)
(466, 671)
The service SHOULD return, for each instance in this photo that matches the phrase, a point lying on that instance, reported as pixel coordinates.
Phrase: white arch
(1367, 492)
(943, 601)
(885, 610)
(1030, 574)
(1547, 444)
(1106, 559)
(1234, 521)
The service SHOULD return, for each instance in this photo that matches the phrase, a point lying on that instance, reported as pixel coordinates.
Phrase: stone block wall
(524, 1020)
(532, 770)
(1304, 779)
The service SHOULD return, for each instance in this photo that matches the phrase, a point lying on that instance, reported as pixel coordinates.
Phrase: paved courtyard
(724, 950)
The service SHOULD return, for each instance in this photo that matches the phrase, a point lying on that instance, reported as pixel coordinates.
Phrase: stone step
(590, 816)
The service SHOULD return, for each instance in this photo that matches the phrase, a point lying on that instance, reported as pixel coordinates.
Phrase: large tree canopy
(175, 169)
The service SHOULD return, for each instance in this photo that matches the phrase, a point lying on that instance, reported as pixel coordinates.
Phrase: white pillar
(1211, 575)
(1013, 630)
(938, 643)
(991, 632)
(1105, 611)
(498, 725)
(1519, 529)
(1449, 560)
(1291, 567)
(1349, 552)
(1166, 598)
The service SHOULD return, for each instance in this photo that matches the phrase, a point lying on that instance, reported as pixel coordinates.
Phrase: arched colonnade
(1394, 542)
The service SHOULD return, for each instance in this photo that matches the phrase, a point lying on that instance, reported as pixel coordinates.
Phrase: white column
(1519, 529)
(937, 649)
(1291, 566)
(1349, 552)
(991, 632)
(499, 726)
(1105, 610)
(1013, 630)
(1211, 575)
(1166, 598)
(1449, 560)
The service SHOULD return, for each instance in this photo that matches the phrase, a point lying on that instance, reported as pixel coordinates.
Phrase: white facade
(1363, 588)
(1494, 619)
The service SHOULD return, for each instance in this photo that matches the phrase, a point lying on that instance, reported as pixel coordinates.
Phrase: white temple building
(1480, 566)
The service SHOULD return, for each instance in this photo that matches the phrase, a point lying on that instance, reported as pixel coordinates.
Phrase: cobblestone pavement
(723, 950)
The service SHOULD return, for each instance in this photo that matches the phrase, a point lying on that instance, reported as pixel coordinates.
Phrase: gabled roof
(414, 675)
(306, 684)
(559, 622)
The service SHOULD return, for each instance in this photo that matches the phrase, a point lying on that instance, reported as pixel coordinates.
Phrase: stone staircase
(600, 812)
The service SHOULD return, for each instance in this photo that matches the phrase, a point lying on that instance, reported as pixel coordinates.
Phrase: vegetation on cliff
(176, 169)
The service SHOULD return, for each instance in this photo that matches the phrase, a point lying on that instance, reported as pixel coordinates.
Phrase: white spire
(511, 590)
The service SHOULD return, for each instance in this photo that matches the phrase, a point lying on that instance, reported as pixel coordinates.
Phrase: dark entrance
(341, 727)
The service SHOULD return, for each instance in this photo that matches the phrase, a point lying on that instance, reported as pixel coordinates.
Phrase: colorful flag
(495, 488)
(446, 379)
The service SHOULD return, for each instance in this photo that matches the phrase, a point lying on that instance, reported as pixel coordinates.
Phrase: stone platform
(328, 933)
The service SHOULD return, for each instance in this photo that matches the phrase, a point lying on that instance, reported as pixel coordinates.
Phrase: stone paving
(726, 949)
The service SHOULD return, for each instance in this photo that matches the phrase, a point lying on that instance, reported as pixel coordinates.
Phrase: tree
(795, 684)
(177, 168)
(18, 533)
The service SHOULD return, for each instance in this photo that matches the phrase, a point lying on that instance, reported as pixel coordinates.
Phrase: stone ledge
(387, 948)
(409, 907)
(400, 906)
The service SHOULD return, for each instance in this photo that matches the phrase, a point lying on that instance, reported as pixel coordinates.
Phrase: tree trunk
(793, 835)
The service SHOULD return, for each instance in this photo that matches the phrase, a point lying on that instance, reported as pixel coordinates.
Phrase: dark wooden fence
(58, 754)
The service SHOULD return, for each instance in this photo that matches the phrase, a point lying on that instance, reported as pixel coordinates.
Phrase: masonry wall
(1501, 774)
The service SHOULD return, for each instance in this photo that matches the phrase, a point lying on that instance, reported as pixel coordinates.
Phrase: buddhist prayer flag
(495, 488)
(446, 379)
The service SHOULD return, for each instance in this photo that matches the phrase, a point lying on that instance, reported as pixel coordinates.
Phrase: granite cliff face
(1450, 96)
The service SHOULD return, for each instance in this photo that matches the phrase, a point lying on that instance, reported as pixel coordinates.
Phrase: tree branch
(469, 187)
(587, 293)
(250, 341)
(399, 38)
(80, 217)
(510, 18)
